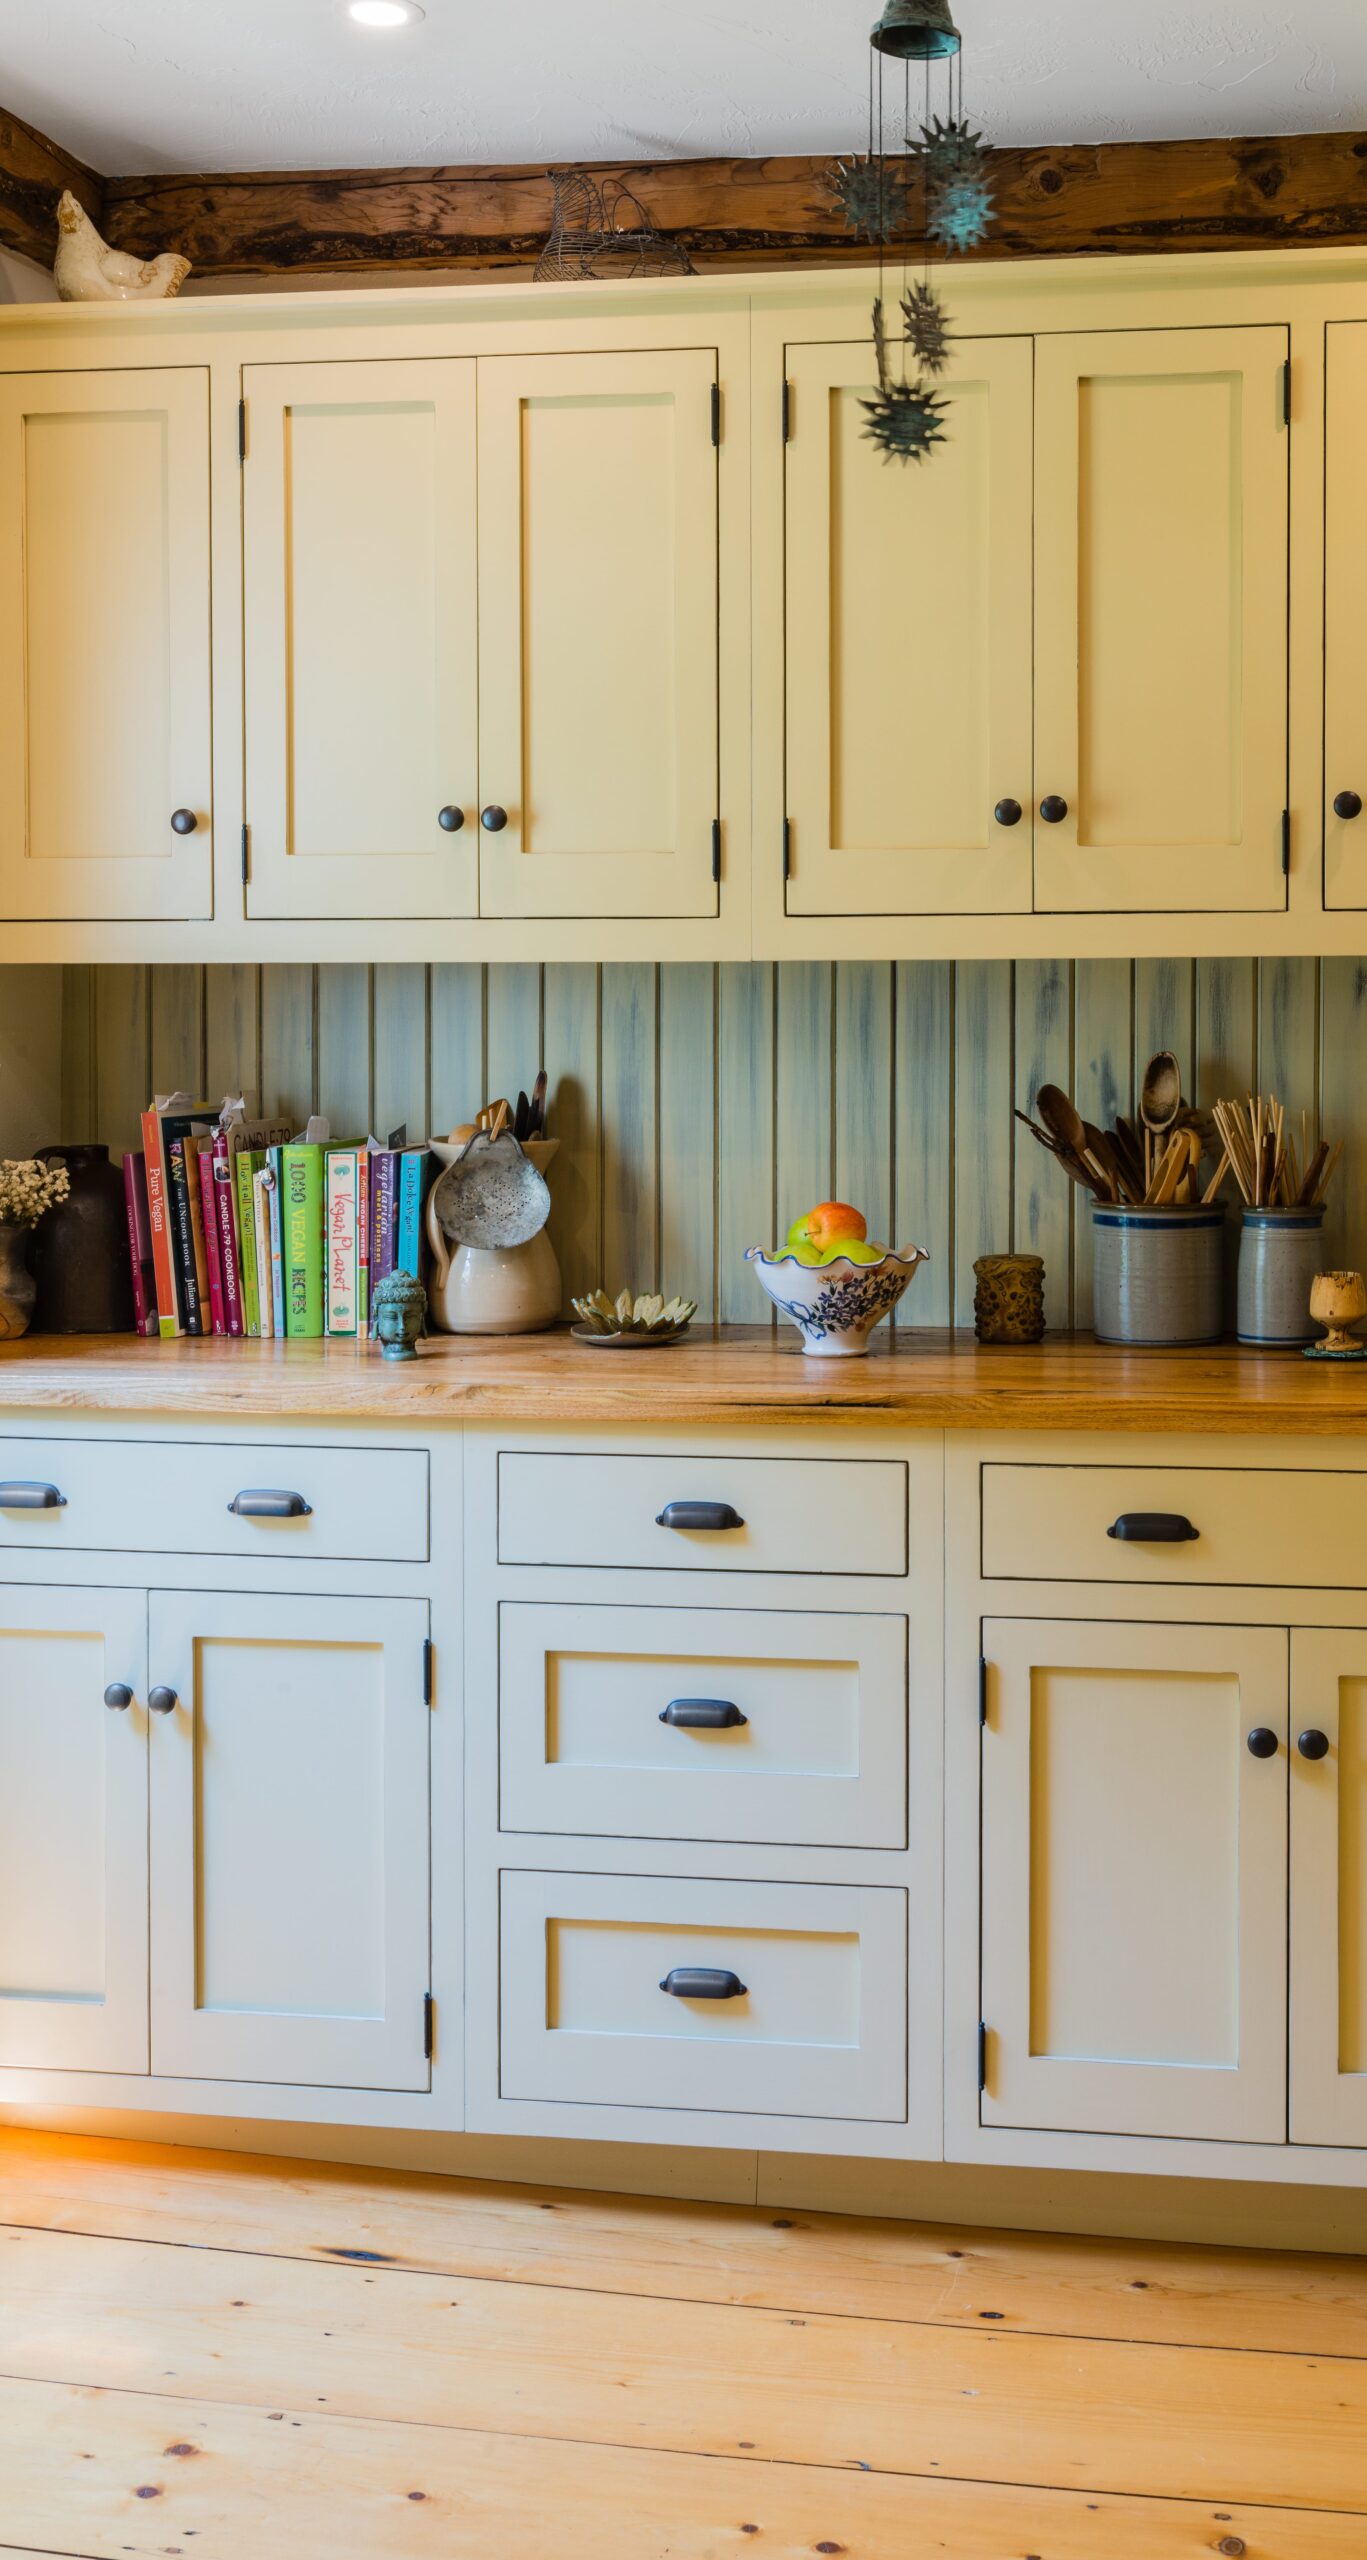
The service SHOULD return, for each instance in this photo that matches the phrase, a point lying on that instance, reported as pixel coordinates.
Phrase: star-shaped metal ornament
(960, 191)
(926, 323)
(871, 195)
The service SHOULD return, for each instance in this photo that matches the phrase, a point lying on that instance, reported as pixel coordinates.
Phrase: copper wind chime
(942, 172)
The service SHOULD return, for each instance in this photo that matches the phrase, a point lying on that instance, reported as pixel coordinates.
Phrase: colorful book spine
(302, 1213)
(224, 1205)
(187, 1269)
(362, 1240)
(415, 1173)
(160, 1220)
(140, 1257)
(342, 1168)
(246, 1166)
(384, 1193)
(203, 1162)
(274, 1204)
(262, 1182)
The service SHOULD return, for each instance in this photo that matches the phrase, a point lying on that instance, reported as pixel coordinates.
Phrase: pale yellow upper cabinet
(907, 617)
(104, 645)
(359, 567)
(1345, 653)
(598, 634)
(1161, 564)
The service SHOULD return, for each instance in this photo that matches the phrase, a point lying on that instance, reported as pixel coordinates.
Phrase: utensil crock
(1279, 1255)
(1157, 1275)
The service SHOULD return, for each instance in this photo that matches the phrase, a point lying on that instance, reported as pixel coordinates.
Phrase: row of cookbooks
(239, 1225)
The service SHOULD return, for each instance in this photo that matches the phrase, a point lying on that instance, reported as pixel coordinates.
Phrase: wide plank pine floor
(229, 2358)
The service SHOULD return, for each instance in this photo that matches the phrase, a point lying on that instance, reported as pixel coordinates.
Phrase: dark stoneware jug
(80, 1249)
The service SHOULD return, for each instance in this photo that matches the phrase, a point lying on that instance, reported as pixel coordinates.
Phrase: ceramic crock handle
(437, 1239)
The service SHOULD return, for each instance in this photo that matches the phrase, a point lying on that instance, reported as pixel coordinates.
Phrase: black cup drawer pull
(702, 1982)
(698, 1515)
(702, 1715)
(31, 1497)
(1154, 1528)
(262, 1502)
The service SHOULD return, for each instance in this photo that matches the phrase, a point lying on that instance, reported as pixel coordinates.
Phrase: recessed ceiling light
(383, 13)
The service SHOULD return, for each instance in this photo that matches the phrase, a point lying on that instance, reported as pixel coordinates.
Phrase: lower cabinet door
(289, 1796)
(689, 1993)
(1329, 1886)
(1134, 1879)
(73, 1829)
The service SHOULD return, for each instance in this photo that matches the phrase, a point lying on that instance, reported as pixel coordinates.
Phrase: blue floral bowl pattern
(835, 1305)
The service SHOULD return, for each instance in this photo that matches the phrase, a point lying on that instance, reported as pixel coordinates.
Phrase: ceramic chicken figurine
(88, 270)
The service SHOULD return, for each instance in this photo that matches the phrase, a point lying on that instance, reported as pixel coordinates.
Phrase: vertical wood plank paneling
(804, 1169)
(514, 1031)
(33, 1108)
(1288, 1037)
(571, 1034)
(287, 1041)
(1043, 1194)
(746, 1212)
(687, 1050)
(863, 1095)
(1343, 1105)
(1226, 1030)
(122, 1036)
(457, 1038)
(923, 1114)
(232, 1033)
(1103, 1056)
(400, 1048)
(344, 1048)
(984, 1129)
(630, 1161)
(178, 1031)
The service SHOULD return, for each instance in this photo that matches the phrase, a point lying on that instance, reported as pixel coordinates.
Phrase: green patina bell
(916, 31)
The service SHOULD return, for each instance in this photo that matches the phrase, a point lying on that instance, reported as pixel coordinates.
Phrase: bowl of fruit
(833, 1284)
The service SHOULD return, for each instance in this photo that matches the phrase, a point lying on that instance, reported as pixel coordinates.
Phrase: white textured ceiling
(142, 85)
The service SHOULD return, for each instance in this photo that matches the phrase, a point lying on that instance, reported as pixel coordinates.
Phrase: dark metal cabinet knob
(184, 821)
(31, 1497)
(1262, 1742)
(118, 1694)
(702, 1982)
(1053, 810)
(451, 819)
(1153, 1528)
(1312, 1744)
(1008, 813)
(702, 1715)
(263, 1502)
(1347, 804)
(163, 1702)
(698, 1515)
(494, 818)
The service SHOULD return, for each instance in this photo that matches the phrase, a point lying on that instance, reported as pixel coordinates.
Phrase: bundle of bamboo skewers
(1262, 1154)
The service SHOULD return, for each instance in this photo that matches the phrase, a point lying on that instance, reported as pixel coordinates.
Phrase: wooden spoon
(1160, 1100)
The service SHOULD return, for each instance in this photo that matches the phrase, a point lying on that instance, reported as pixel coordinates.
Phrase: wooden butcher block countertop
(737, 1374)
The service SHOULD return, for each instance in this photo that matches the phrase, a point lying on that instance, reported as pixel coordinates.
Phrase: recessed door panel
(1345, 582)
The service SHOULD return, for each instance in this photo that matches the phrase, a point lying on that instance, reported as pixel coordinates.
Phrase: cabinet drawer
(1253, 1525)
(798, 1515)
(819, 2028)
(703, 1724)
(175, 1498)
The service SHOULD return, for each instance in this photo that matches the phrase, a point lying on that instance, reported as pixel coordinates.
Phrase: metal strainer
(491, 1196)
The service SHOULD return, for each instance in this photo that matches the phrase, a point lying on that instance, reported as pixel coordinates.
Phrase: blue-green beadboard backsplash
(700, 1109)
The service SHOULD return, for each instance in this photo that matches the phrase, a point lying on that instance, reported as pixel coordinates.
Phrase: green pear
(854, 1251)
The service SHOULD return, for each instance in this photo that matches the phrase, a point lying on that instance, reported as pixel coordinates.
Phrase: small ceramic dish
(835, 1305)
(659, 1340)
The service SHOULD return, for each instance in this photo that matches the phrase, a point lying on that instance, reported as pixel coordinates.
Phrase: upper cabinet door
(104, 646)
(598, 635)
(1329, 1887)
(73, 1830)
(1161, 617)
(908, 644)
(1134, 1879)
(1345, 582)
(358, 496)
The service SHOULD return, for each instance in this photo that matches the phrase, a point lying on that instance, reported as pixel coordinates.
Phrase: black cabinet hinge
(787, 848)
(427, 1671)
(1286, 843)
(982, 1688)
(787, 410)
(429, 2025)
(982, 2054)
(242, 431)
(1286, 393)
(716, 413)
(246, 855)
(716, 848)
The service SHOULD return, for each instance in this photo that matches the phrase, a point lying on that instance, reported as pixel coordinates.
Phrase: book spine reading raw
(187, 1267)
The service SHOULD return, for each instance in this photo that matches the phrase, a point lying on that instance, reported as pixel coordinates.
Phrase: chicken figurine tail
(88, 270)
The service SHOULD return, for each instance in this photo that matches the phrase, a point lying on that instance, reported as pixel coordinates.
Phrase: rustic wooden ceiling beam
(33, 174)
(1119, 198)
